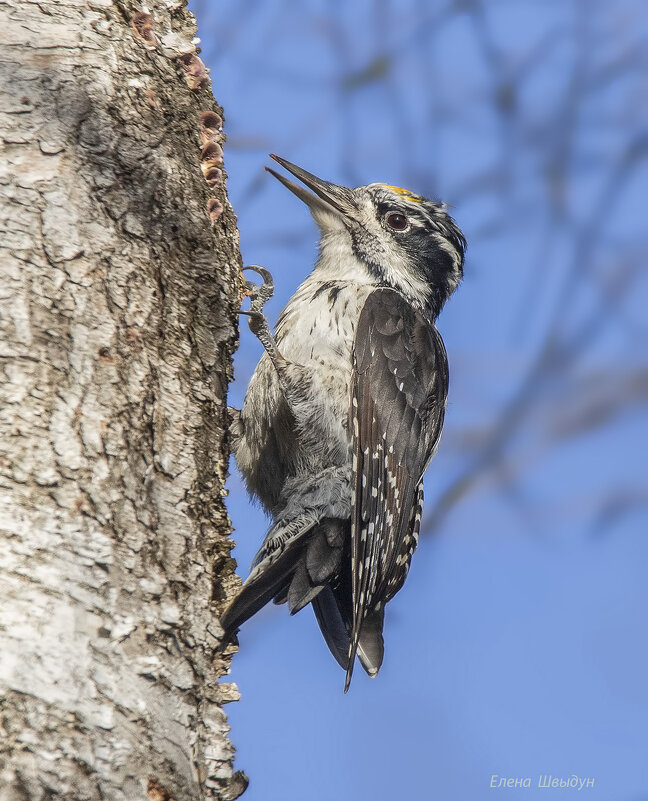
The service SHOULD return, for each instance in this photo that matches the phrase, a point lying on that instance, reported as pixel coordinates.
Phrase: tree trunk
(118, 299)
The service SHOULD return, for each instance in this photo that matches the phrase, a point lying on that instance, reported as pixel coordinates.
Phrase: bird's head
(402, 240)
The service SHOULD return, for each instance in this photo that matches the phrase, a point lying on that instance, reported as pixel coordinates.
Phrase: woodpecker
(345, 409)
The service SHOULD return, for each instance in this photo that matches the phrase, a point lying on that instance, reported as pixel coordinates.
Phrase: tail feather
(302, 590)
(282, 596)
(261, 586)
(297, 560)
(306, 565)
(332, 625)
(371, 647)
(368, 647)
(324, 552)
(319, 564)
(333, 609)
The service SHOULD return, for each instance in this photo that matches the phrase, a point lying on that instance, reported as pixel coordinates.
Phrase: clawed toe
(259, 294)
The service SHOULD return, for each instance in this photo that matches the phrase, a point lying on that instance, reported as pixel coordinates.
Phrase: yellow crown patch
(405, 193)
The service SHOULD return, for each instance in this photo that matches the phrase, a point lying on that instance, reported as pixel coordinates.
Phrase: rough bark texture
(117, 325)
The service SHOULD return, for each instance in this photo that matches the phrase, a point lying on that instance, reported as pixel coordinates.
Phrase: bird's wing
(399, 390)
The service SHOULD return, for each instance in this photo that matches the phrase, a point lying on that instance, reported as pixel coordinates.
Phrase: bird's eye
(396, 221)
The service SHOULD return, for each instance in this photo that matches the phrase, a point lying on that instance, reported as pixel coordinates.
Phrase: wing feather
(399, 390)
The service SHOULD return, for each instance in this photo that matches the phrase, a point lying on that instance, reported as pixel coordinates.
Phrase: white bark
(117, 324)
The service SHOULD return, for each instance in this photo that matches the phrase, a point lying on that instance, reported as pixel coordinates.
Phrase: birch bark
(118, 300)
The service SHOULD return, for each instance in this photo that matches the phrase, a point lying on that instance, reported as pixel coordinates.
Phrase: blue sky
(518, 644)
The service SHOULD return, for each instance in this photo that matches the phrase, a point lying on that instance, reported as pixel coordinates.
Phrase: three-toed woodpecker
(344, 411)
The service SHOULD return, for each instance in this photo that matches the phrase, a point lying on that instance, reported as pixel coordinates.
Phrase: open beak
(328, 198)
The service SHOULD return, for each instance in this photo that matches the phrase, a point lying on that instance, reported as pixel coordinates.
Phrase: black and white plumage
(345, 410)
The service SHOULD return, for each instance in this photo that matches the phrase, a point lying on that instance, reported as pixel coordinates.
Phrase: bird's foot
(259, 295)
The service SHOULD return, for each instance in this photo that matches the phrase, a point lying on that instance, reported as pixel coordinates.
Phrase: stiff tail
(296, 562)
(333, 609)
(302, 562)
(261, 586)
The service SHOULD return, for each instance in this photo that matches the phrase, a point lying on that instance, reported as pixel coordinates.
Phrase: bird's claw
(259, 294)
